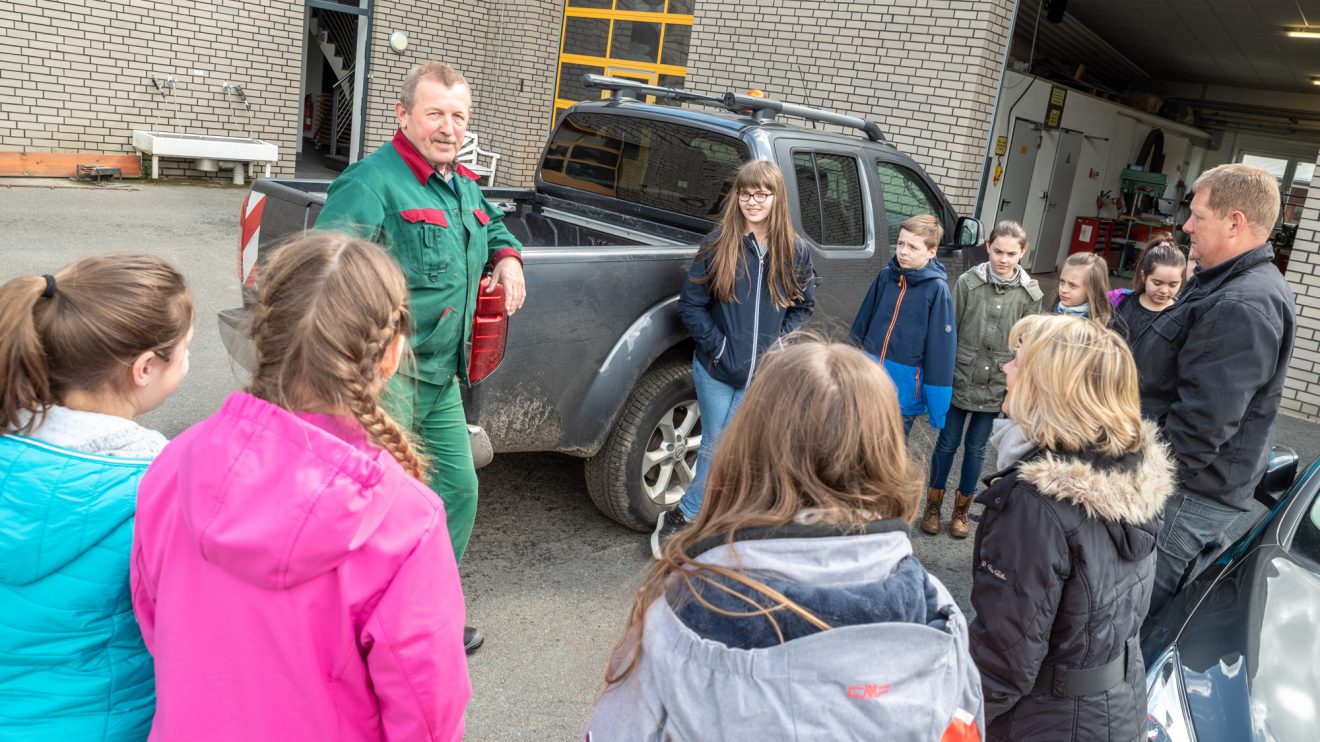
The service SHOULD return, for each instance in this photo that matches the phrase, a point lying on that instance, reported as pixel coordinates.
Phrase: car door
(834, 210)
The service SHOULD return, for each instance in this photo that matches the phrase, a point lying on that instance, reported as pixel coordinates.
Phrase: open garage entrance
(1111, 108)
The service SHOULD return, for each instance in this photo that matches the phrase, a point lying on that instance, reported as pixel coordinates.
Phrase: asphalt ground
(548, 579)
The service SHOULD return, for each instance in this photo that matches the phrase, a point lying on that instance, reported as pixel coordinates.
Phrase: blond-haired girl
(750, 284)
(1084, 288)
(793, 607)
(292, 577)
(83, 351)
(1084, 481)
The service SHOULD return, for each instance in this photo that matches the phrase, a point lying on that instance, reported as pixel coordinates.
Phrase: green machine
(1141, 195)
(1142, 190)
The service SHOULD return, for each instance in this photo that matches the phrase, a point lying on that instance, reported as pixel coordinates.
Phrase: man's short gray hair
(433, 71)
(1245, 188)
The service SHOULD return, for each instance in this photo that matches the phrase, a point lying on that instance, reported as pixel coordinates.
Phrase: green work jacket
(443, 235)
(985, 312)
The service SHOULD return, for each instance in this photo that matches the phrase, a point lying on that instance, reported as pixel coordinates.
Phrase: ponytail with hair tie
(120, 305)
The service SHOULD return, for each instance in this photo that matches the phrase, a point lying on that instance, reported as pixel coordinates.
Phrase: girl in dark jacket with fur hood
(1055, 634)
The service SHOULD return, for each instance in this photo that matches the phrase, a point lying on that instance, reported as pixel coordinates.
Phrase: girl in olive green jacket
(987, 301)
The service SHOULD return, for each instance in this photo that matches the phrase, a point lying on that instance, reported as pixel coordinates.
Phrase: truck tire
(650, 456)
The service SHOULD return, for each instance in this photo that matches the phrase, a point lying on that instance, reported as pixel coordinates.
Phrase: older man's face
(437, 122)
(1209, 232)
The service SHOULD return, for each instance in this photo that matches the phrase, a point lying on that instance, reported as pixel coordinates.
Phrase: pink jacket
(293, 583)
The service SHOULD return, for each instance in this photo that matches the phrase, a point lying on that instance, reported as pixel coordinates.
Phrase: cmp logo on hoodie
(869, 691)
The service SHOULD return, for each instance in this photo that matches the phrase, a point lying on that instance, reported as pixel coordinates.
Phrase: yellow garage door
(637, 39)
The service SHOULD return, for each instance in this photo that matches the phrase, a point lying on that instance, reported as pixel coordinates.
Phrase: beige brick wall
(926, 70)
(506, 50)
(74, 76)
(1301, 390)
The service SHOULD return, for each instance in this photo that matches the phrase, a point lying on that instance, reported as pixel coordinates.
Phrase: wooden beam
(64, 164)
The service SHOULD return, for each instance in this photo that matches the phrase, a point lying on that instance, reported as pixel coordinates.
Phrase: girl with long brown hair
(292, 577)
(793, 601)
(750, 284)
(83, 351)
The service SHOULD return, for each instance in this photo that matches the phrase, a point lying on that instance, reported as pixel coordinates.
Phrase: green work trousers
(434, 415)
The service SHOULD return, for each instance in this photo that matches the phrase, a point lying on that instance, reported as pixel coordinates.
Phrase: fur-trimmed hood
(1131, 490)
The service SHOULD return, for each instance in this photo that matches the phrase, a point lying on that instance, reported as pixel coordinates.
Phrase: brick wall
(506, 50)
(926, 70)
(1301, 390)
(75, 76)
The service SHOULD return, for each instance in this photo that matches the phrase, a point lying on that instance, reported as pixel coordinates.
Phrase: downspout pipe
(237, 170)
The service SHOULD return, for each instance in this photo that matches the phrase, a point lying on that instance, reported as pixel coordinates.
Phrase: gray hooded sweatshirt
(904, 673)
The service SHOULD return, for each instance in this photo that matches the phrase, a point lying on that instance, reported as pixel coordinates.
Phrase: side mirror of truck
(967, 233)
(966, 250)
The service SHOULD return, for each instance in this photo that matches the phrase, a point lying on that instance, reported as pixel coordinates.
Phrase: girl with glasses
(750, 284)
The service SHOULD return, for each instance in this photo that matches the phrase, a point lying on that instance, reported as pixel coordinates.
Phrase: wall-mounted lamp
(1315, 80)
(398, 41)
(1305, 32)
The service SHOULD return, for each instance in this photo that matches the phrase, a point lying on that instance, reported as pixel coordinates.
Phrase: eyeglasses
(759, 197)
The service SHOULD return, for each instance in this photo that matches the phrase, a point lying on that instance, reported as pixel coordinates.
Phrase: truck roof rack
(762, 109)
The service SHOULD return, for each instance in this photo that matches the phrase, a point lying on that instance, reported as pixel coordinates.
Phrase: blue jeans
(717, 402)
(1195, 532)
(907, 425)
(979, 425)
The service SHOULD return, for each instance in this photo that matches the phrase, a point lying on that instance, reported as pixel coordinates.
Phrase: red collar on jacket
(421, 168)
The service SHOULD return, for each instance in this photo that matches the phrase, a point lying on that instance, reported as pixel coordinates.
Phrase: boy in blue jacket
(906, 323)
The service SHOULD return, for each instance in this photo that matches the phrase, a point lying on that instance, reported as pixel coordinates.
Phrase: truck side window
(830, 198)
(906, 195)
(652, 163)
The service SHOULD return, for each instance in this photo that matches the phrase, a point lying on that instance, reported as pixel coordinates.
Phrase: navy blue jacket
(1212, 368)
(906, 322)
(731, 335)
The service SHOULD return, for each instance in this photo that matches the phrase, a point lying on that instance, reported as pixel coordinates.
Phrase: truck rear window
(653, 163)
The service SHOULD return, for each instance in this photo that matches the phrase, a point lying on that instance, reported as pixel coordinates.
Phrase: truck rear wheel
(651, 455)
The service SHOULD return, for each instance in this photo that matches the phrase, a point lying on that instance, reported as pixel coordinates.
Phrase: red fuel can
(490, 331)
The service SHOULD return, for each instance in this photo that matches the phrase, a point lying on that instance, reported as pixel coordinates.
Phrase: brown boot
(960, 526)
(930, 520)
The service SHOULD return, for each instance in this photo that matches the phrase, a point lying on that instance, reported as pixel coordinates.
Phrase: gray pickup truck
(598, 364)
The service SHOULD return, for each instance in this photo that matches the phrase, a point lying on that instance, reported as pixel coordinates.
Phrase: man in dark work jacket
(1212, 369)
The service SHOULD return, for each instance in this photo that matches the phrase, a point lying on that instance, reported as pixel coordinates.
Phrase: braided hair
(329, 307)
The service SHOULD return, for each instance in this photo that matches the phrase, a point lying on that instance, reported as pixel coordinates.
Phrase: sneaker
(669, 523)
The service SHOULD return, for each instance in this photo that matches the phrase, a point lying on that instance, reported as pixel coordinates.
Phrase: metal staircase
(336, 36)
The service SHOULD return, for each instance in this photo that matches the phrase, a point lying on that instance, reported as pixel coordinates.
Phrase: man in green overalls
(413, 197)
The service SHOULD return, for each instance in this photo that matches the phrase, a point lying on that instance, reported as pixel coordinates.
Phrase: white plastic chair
(478, 160)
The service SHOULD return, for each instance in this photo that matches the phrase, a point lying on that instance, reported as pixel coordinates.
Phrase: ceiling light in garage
(1308, 32)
